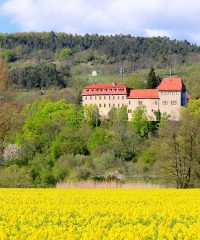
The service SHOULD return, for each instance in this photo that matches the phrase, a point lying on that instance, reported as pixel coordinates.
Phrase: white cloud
(157, 32)
(174, 18)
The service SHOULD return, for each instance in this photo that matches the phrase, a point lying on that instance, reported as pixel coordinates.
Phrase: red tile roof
(103, 89)
(144, 93)
(171, 84)
(167, 84)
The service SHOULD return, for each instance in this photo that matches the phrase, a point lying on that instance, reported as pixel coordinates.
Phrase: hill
(46, 60)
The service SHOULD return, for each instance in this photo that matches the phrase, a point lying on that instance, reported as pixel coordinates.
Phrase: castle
(168, 98)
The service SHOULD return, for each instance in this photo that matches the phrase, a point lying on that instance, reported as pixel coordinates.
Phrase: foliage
(91, 115)
(11, 151)
(64, 53)
(40, 76)
(100, 136)
(153, 81)
(140, 121)
(10, 55)
(179, 147)
(4, 75)
(118, 47)
(15, 177)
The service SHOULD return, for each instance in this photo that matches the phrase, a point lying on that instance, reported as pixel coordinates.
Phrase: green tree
(140, 122)
(10, 55)
(100, 136)
(14, 176)
(64, 53)
(180, 147)
(118, 119)
(152, 80)
(91, 115)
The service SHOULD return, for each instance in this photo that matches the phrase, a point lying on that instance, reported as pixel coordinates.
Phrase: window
(104, 105)
(100, 97)
(113, 105)
(129, 102)
(118, 97)
(100, 105)
(90, 97)
(104, 97)
(140, 102)
(95, 97)
(109, 97)
(173, 102)
(156, 102)
(118, 105)
(113, 97)
(85, 97)
(165, 103)
(109, 105)
(122, 97)
(129, 110)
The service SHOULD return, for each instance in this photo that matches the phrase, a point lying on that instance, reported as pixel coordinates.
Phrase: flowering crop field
(68, 214)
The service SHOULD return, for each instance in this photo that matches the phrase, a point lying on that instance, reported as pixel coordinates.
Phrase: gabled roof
(171, 84)
(144, 93)
(108, 88)
(106, 85)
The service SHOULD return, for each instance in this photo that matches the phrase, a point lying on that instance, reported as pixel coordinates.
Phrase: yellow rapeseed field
(116, 214)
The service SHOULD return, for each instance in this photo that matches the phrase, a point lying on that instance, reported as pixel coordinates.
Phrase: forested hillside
(113, 48)
(46, 60)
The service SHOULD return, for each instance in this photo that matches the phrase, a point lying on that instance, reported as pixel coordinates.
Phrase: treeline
(52, 141)
(116, 48)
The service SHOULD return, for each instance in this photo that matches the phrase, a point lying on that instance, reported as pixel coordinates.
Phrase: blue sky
(173, 18)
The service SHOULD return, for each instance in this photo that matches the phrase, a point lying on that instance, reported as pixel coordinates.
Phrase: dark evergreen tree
(152, 80)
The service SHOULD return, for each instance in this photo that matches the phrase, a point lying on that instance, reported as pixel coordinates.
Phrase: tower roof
(171, 84)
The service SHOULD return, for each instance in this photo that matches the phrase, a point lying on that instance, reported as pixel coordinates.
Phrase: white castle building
(169, 97)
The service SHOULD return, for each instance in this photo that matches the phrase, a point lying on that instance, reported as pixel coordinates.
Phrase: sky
(177, 19)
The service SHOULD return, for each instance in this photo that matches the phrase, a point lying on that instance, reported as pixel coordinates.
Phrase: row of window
(104, 97)
(141, 103)
(172, 102)
(105, 90)
(130, 110)
(169, 93)
(110, 105)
